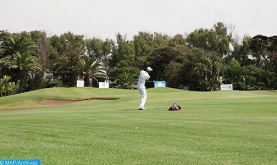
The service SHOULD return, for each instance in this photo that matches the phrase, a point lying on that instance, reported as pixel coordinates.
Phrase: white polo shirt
(143, 76)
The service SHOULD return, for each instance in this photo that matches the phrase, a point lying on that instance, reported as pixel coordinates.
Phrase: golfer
(144, 75)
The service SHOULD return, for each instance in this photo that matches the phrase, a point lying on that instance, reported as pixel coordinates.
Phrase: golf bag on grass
(174, 107)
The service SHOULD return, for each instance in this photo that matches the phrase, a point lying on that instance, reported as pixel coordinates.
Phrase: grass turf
(224, 127)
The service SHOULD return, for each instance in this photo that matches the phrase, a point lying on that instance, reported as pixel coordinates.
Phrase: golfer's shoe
(142, 108)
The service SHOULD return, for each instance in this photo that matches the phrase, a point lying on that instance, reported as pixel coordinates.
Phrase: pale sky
(105, 18)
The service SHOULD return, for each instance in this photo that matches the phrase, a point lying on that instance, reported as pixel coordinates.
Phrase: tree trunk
(23, 72)
(86, 80)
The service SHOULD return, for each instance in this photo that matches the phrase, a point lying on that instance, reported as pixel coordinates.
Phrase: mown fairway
(223, 127)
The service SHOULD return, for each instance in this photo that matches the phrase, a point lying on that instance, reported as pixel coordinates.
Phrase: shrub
(258, 86)
(55, 83)
(238, 86)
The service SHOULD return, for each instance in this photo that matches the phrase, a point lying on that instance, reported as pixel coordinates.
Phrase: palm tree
(5, 86)
(201, 70)
(10, 87)
(22, 54)
(21, 45)
(216, 67)
(90, 68)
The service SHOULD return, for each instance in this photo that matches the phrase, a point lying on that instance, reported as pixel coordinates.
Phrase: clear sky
(105, 18)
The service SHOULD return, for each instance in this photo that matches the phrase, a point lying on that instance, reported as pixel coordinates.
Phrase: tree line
(200, 60)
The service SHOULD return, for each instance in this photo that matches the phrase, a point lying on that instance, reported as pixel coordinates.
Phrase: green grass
(224, 127)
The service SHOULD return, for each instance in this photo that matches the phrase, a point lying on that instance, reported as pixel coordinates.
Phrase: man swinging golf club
(144, 75)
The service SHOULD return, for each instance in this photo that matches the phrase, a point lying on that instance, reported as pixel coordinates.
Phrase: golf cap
(149, 69)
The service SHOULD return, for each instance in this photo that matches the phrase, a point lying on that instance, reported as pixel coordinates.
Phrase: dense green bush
(55, 83)
(258, 86)
(238, 86)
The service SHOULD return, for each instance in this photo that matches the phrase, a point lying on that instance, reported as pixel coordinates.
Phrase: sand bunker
(48, 102)
(56, 102)
(60, 102)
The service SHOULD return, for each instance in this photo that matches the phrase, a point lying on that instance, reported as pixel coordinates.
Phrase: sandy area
(56, 102)
(50, 102)
(59, 102)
